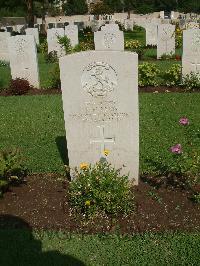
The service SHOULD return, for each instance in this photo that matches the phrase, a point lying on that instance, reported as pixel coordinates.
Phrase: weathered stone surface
(166, 40)
(23, 58)
(109, 40)
(52, 39)
(151, 34)
(71, 31)
(34, 32)
(100, 101)
(4, 53)
(191, 51)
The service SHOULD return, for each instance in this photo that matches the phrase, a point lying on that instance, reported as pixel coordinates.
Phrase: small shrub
(55, 77)
(3, 63)
(179, 37)
(135, 46)
(43, 48)
(51, 57)
(191, 81)
(86, 45)
(148, 74)
(12, 170)
(172, 77)
(65, 43)
(19, 86)
(100, 189)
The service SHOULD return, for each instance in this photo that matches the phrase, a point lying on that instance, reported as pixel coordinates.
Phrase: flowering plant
(100, 189)
(183, 166)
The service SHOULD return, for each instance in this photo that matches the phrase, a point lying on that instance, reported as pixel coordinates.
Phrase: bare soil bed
(150, 89)
(42, 203)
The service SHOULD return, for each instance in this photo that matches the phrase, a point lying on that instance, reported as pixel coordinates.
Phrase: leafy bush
(3, 63)
(179, 37)
(19, 86)
(43, 48)
(86, 45)
(51, 57)
(55, 77)
(65, 43)
(172, 76)
(147, 74)
(12, 170)
(191, 81)
(100, 189)
(135, 46)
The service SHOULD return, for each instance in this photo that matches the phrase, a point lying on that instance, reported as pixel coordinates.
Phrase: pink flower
(184, 121)
(176, 149)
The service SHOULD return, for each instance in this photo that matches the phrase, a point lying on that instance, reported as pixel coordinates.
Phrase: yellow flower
(87, 203)
(106, 152)
(84, 166)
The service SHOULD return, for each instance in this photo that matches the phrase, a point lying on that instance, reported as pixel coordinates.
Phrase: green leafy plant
(182, 168)
(19, 87)
(55, 82)
(12, 169)
(134, 46)
(100, 189)
(43, 48)
(191, 81)
(65, 43)
(3, 63)
(51, 57)
(172, 77)
(148, 74)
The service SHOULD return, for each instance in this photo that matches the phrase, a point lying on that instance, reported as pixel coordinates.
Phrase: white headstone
(52, 39)
(4, 53)
(23, 59)
(100, 101)
(128, 24)
(34, 32)
(109, 40)
(166, 40)
(110, 27)
(191, 51)
(71, 31)
(151, 34)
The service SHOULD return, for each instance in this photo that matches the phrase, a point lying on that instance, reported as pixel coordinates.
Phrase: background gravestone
(4, 53)
(23, 59)
(34, 32)
(191, 51)
(71, 31)
(52, 39)
(151, 34)
(100, 101)
(105, 40)
(166, 40)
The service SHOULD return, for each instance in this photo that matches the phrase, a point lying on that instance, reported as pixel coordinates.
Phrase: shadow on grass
(19, 247)
(62, 148)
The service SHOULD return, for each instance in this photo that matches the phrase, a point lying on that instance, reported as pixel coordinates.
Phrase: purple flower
(184, 121)
(176, 149)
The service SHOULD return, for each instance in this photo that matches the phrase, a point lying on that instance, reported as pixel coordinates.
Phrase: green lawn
(35, 123)
(22, 248)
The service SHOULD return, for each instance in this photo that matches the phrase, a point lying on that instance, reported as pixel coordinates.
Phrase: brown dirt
(149, 89)
(42, 203)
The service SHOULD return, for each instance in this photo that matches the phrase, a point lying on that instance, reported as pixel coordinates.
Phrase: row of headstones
(23, 52)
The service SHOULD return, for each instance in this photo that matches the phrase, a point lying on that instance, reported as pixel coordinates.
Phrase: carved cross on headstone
(102, 140)
(196, 65)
